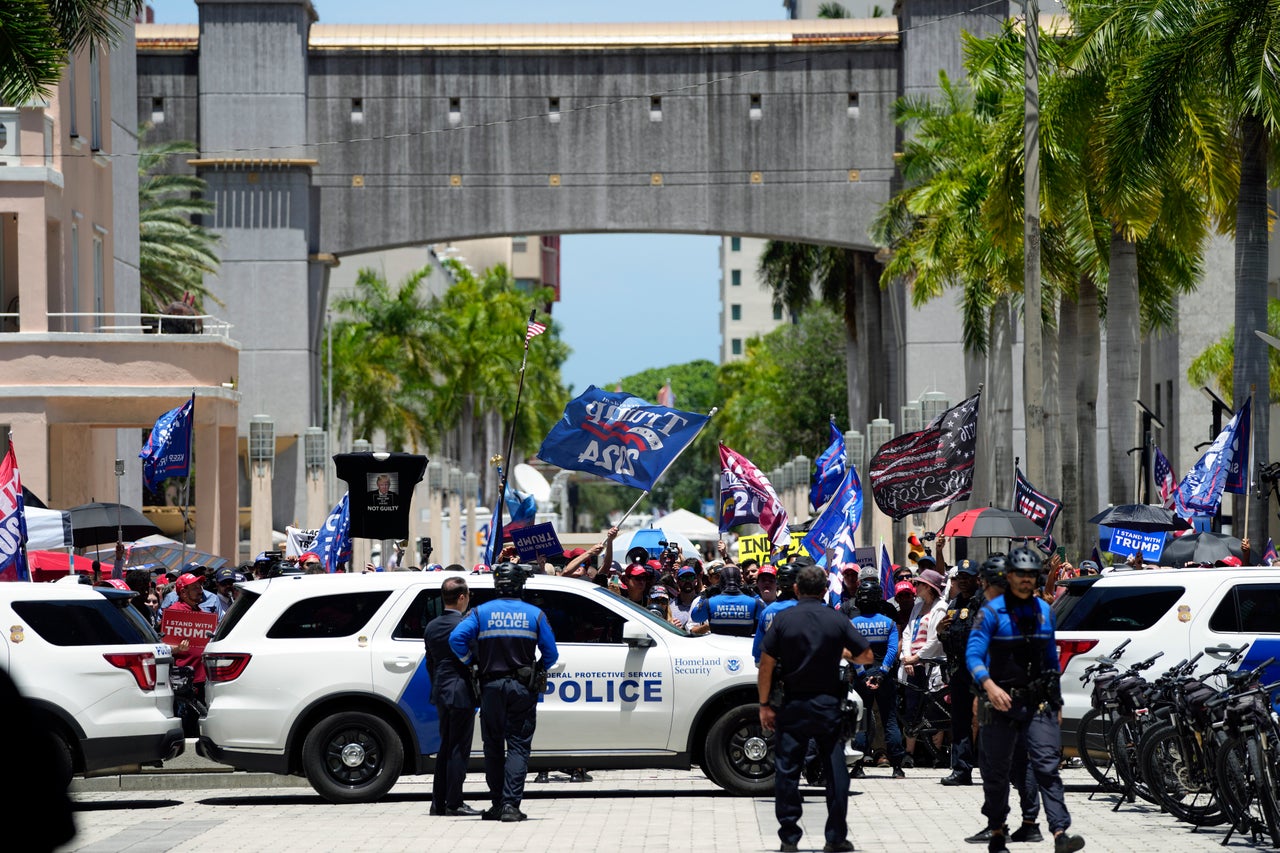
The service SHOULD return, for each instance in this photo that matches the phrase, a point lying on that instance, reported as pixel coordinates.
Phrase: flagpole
(504, 472)
(1248, 494)
(186, 481)
(645, 493)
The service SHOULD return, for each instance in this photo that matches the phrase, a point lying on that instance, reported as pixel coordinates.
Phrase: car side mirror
(636, 636)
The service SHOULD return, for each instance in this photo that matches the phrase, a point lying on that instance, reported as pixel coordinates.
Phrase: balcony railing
(126, 323)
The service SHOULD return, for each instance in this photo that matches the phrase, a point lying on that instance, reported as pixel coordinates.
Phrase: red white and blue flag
(929, 469)
(828, 469)
(886, 572)
(333, 541)
(619, 437)
(834, 526)
(1164, 479)
(747, 497)
(168, 449)
(1200, 491)
(1269, 557)
(533, 330)
(666, 397)
(13, 521)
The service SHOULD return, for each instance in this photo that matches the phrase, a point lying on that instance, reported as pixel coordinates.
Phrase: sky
(628, 301)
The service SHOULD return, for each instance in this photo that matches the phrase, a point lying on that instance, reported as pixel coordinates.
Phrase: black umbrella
(991, 523)
(95, 523)
(1200, 548)
(1142, 517)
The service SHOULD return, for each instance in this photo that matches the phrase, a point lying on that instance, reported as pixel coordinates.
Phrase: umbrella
(648, 537)
(50, 565)
(681, 522)
(1142, 517)
(162, 550)
(95, 523)
(991, 523)
(1200, 548)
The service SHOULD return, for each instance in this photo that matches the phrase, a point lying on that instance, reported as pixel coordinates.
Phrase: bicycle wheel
(1260, 765)
(1092, 745)
(1126, 735)
(1238, 788)
(1176, 776)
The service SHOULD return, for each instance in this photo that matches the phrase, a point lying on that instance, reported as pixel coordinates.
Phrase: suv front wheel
(352, 757)
(739, 753)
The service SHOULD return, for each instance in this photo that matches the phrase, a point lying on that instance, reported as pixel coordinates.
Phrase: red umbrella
(51, 565)
(991, 523)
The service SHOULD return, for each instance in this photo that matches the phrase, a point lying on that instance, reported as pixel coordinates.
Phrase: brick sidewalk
(623, 811)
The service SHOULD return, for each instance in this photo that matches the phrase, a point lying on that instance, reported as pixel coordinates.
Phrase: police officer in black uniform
(1013, 659)
(953, 630)
(505, 633)
(801, 654)
(455, 703)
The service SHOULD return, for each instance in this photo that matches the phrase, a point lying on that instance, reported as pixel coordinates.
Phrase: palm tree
(1217, 364)
(174, 253)
(1220, 53)
(37, 35)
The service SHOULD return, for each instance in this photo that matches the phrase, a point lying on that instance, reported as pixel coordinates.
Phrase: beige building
(746, 305)
(82, 373)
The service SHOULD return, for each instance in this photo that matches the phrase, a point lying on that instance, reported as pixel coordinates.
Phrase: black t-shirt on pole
(380, 486)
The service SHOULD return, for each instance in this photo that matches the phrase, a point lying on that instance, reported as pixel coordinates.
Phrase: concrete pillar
(470, 485)
(435, 510)
(456, 553)
(30, 436)
(315, 454)
(206, 464)
(228, 535)
(417, 527)
(261, 471)
(33, 271)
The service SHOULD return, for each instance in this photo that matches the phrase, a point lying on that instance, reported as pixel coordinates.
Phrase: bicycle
(1247, 762)
(931, 713)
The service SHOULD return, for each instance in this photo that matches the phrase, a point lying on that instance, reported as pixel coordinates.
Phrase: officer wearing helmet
(1012, 657)
(786, 598)
(877, 687)
(501, 637)
(731, 611)
(953, 630)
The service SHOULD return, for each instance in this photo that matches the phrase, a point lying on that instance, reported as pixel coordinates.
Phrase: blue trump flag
(522, 510)
(837, 522)
(1200, 491)
(828, 470)
(1238, 469)
(333, 542)
(168, 449)
(619, 437)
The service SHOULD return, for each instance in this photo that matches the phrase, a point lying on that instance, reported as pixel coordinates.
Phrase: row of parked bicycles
(1206, 747)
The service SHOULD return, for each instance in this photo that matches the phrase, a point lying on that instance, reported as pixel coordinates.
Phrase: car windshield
(645, 614)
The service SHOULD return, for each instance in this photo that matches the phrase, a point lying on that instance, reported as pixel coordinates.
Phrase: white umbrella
(684, 523)
(648, 537)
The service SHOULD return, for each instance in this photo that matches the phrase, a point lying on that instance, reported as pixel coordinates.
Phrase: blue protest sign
(1126, 542)
(536, 540)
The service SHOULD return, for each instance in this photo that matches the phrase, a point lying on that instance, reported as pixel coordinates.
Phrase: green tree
(1217, 364)
(1219, 52)
(174, 253)
(37, 35)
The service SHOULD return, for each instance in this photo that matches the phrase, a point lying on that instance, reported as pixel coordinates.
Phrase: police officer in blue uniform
(455, 703)
(786, 599)
(731, 611)
(1013, 659)
(506, 632)
(802, 650)
(877, 685)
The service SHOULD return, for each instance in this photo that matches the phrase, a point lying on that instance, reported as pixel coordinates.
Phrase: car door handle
(401, 664)
(1221, 651)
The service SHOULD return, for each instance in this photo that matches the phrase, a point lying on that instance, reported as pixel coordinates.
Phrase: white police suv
(94, 671)
(324, 676)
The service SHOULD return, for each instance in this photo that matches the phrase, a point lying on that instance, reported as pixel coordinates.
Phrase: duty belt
(497, 676)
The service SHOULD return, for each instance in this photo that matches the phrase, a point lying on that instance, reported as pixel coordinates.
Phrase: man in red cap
(636, 581)
(311, 563)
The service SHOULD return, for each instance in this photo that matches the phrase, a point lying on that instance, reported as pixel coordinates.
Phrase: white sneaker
(852, 756)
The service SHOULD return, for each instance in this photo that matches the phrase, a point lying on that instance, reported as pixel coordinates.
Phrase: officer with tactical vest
(877, 687)
(786, 599)
(731, 611)
(1012, 657)
(953, 630)
(505, 633)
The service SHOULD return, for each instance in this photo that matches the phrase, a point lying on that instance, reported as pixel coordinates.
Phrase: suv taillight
(141, 665)
(1067, 649)
(225, 667)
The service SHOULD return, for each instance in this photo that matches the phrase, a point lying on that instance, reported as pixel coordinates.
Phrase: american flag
(930, 469)
(535, 329)
(665, 395)
(1165, 479)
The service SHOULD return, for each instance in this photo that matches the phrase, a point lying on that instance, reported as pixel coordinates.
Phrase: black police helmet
(787, 573)
(994, 568)
(508, 578)
(1024, 560)
(868, 592)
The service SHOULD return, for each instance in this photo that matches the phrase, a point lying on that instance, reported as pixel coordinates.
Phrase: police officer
(506, 632)
(786, 599)
(953, 630)
(877, 686)
(455, 703)
(802, 650)
(732, 611)
(1013, 659)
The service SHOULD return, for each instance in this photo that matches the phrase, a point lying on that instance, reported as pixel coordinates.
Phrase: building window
(71, 97)
(157, 110)
(357, 110)
(735, 244)
(95, 100)
(519, 244)
(75, 274)
(777, 312)
(99, 283)
(735, 278)
(735, 346)
(735, 312)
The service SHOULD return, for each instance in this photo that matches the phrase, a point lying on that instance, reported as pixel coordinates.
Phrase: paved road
(623, 811)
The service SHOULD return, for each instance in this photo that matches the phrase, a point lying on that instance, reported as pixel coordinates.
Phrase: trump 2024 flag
(828, 469)
(619, 437)
(333, 540)
(1200, 491)
(168, 449)
(838, 521)
(13, 523)
(747, 497)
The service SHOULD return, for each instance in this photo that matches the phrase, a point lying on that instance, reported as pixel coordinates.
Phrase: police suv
(1181, 612)
(324, 676)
